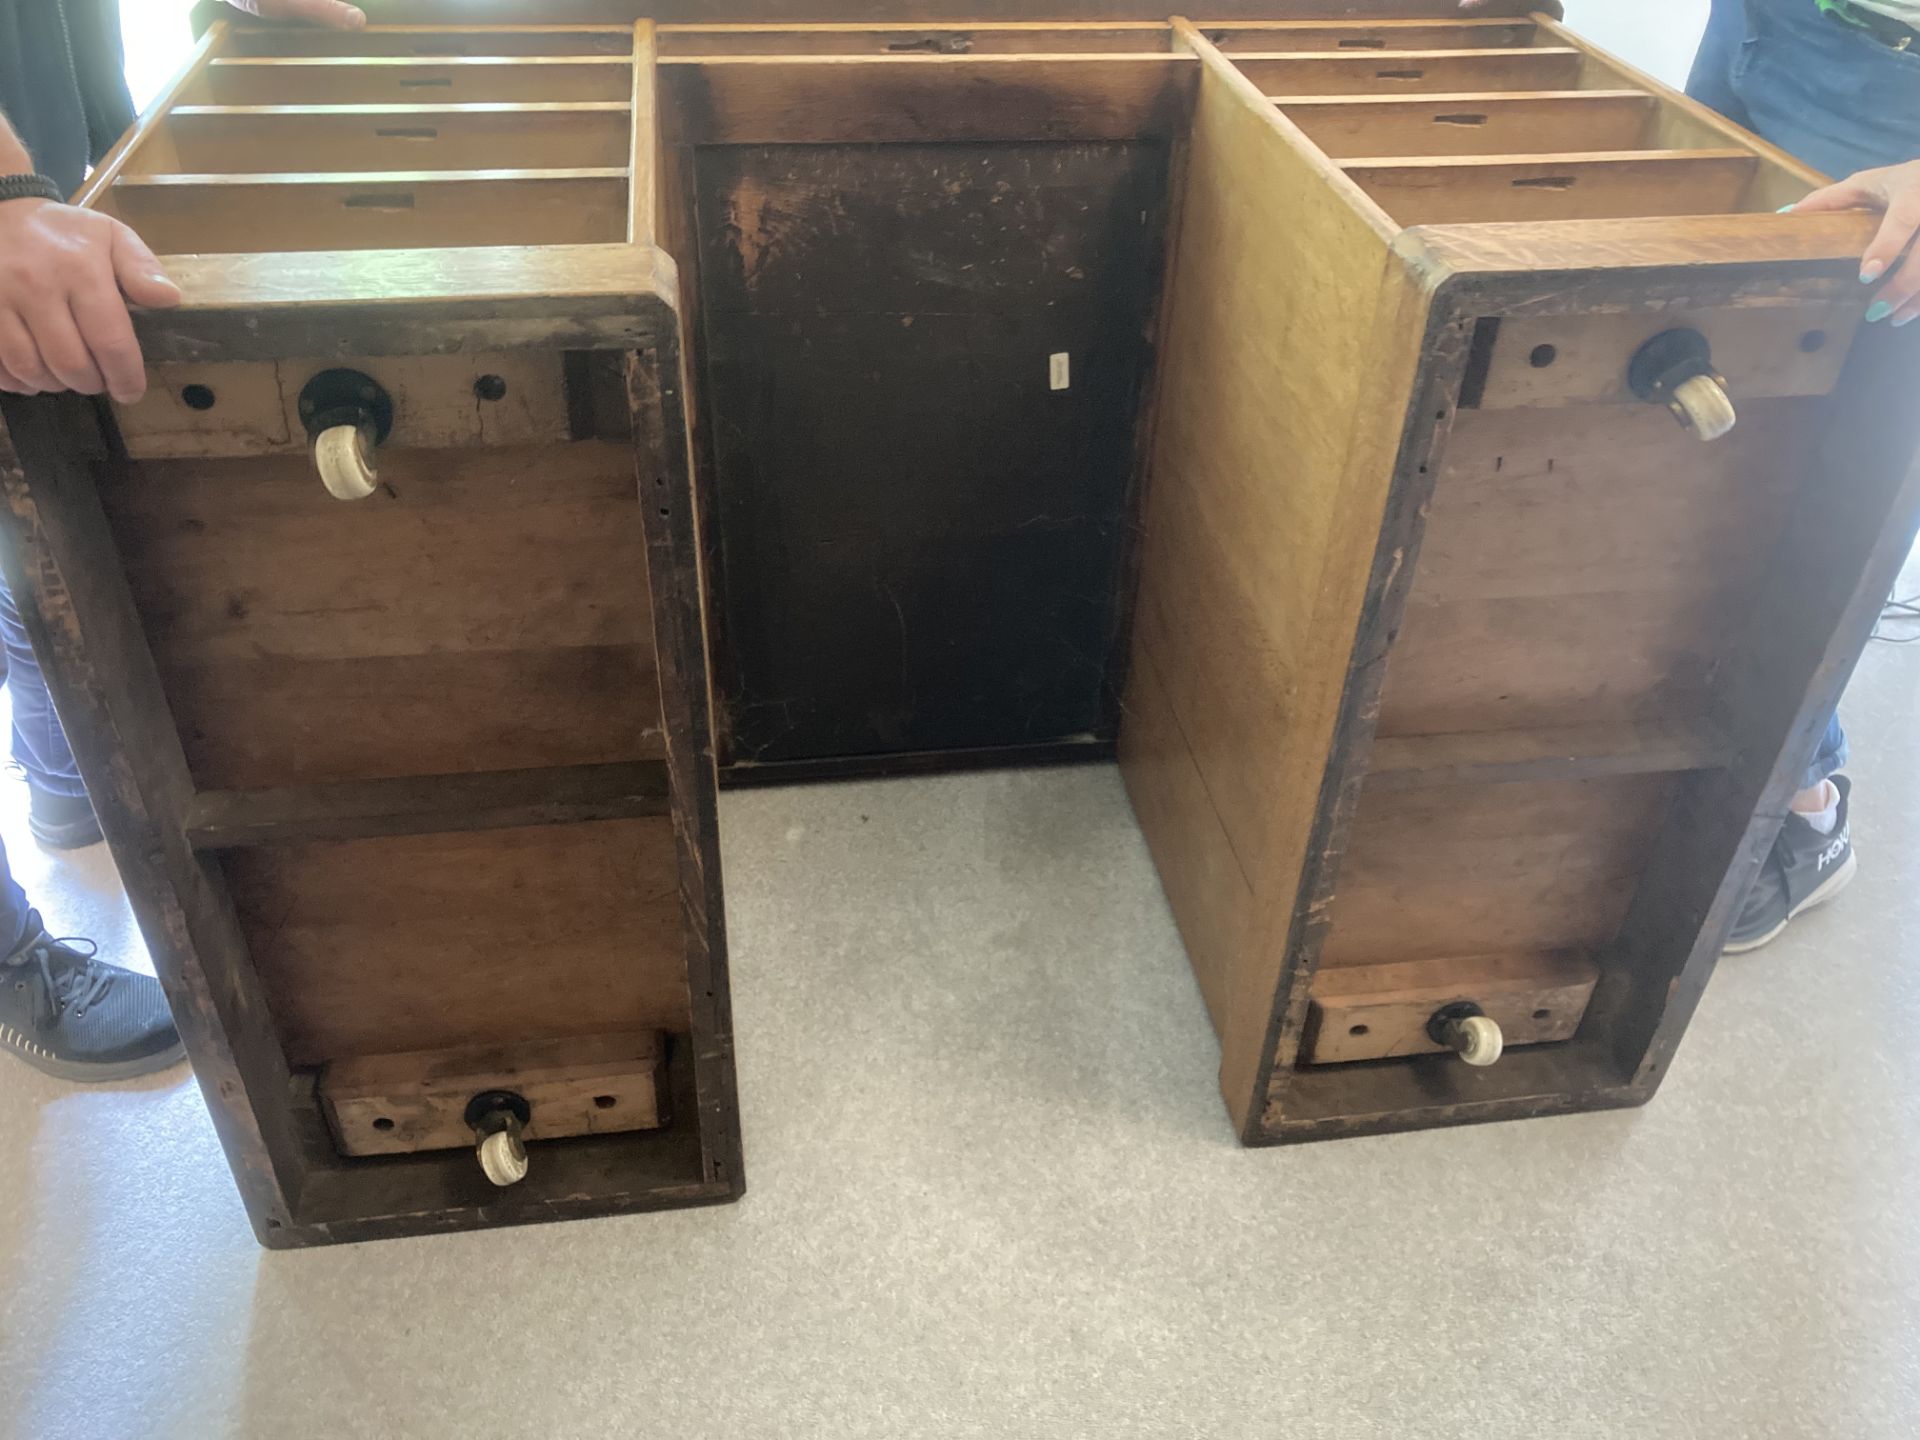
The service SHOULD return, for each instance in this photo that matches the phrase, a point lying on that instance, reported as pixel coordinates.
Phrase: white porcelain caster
(1476, 1039)
(503, 1156)
(1703, 407)
(345, 463)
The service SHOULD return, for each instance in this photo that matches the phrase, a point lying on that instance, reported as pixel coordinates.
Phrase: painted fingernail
(1906, 319)
(1878, 311)
(1785, 208)
(1872, 271)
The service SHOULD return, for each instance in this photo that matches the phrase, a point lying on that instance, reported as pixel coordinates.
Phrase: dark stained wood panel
(922, 533)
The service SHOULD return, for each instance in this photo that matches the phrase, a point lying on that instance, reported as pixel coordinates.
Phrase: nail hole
(1357, 1029)
(490, 387)
(1543, 1014)
(382, 1123)
(1813, 341)
(1543, 356)
(604, 1102)
(197, 397)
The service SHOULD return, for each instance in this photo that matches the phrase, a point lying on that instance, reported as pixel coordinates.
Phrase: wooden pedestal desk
(1311, 401)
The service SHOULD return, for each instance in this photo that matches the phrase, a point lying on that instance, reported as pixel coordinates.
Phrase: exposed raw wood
(1408, 72)
(254, 408)
(1764, 351)
(373, 80)
(426, 805)
(1472, 123)
(1457, 189)
(1373, 1012)
(865, 99)
(417, 209)
(586, 1085)
(251, 138)
(1573, 752)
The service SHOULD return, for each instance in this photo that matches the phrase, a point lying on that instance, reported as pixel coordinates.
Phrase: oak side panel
(1263, 504)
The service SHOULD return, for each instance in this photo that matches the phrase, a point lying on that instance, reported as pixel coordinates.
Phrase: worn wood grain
(429, 942)
(401, 136)
(426, 805)
(377, 79)
(1244, 567)
(1458, 189)
(1471, 123)
(585, 1085)
(395, 210)
(1379, 1012)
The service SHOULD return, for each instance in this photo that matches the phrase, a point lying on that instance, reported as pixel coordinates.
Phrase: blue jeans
(1830, 95)
(39, 744)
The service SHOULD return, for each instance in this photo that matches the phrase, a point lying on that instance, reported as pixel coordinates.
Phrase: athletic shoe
(1804, 869)
(72, 1015)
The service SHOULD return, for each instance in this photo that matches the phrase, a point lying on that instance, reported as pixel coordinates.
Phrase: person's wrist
(29, 186)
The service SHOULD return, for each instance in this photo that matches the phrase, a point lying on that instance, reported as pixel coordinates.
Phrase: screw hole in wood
(1543, 356)
(197, 397)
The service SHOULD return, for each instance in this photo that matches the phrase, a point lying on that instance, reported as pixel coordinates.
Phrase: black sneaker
(63, 822)
(76, 1017)
(1804, 869)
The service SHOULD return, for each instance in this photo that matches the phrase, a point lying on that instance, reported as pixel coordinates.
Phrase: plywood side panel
(1262, 510)
(370, 947)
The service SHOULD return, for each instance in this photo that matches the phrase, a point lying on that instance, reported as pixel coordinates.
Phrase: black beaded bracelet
(30, 187)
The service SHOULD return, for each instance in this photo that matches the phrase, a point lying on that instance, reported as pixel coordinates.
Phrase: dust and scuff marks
(765, 217)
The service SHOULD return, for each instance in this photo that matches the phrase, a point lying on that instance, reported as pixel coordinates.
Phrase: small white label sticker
(1057, 370)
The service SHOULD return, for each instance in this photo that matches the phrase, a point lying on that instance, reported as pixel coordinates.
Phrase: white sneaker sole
(1820, 895)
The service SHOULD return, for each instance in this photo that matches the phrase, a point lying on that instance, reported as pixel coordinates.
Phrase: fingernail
(1785, 208)
(1878, 311)
(1872, 271)
(1906, 319)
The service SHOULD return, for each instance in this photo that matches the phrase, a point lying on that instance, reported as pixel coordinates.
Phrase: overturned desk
(1414, 445)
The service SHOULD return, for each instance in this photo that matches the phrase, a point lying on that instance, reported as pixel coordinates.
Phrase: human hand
(328, 14)
(66, 275)
(1894, 190)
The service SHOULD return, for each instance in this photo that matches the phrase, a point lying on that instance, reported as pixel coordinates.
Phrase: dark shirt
(62, 82)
